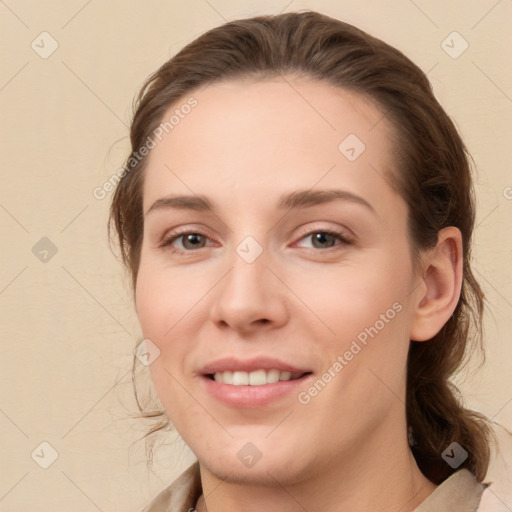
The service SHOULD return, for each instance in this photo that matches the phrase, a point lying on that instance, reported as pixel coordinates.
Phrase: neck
(379, 476)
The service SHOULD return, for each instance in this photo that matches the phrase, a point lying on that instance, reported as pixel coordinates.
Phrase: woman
(296, 215)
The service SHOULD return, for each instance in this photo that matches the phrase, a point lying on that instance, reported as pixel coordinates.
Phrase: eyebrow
(294, 200)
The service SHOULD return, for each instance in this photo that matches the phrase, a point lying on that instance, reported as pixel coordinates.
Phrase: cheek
(365, 309)
(351, 299)
(162, 299)
(363, 378)
(170, 313)
(159, 310)
(162, 314)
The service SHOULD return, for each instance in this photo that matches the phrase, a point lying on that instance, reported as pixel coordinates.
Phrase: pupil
(192, 237)
(320, 237)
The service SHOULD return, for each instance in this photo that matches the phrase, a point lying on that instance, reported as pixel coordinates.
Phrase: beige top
(459, 493)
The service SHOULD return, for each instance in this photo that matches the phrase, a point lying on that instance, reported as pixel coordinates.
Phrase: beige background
(68, 326)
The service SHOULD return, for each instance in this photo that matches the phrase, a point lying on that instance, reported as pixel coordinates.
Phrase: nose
(250, 296)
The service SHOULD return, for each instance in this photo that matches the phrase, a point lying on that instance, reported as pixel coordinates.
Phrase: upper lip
(250, 365)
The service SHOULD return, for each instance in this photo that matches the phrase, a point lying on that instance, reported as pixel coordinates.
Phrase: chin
(258, 463)
(264, 473)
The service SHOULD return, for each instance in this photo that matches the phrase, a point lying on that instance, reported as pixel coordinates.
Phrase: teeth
(240, 379)
(273, 376)
(255, 378)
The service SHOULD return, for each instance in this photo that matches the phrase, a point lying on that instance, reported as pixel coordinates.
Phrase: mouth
(252, 383)
(259, 377)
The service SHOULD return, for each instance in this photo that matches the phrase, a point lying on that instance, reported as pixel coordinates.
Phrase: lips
(251, 383)
(250, 365)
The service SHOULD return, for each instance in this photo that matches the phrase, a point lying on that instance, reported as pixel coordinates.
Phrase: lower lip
(252, 396)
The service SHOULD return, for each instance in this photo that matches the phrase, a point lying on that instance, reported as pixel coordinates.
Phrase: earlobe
(436, 300)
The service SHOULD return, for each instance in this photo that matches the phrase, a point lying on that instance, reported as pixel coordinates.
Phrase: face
(276, 279)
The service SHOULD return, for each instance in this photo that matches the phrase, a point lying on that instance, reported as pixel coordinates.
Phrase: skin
(246, 143)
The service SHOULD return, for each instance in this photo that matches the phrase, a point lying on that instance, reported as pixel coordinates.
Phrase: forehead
(260, 138)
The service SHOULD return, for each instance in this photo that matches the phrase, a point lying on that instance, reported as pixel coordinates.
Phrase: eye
(191, 240)
(325, 239)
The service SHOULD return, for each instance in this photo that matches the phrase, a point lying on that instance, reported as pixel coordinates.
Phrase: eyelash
(168, 241)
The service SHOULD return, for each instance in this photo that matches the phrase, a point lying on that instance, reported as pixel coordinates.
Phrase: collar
(460, 492)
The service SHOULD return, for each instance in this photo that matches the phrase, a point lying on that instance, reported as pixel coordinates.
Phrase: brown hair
(433, 178)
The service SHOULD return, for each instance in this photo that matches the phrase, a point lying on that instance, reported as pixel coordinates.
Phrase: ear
(437, 297)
